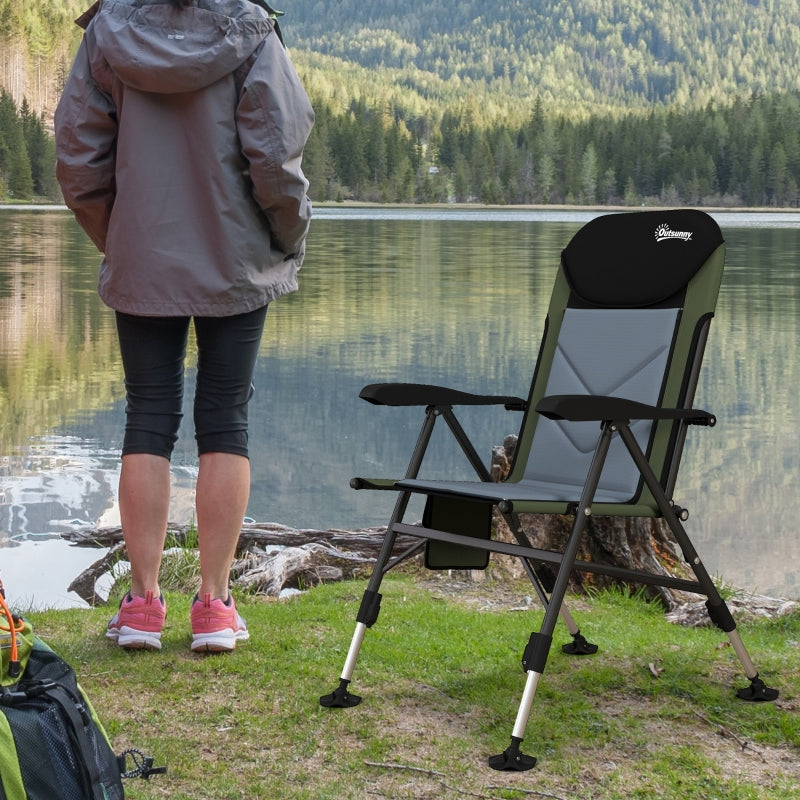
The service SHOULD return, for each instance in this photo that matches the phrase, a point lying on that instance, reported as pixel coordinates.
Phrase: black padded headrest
(638, 259)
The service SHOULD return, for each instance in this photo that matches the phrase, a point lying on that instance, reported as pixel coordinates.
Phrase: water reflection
(448, 297)
(745, 485)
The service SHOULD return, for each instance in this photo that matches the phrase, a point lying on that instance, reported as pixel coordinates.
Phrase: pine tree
(15, 166)
(40, 153)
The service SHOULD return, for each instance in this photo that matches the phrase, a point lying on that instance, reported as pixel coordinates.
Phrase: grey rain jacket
(179, 138)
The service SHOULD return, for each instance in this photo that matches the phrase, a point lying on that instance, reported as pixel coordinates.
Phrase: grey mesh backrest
(623, 328)
(614, 352)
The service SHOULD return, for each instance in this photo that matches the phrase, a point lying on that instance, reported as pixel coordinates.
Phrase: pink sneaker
(216, 625)
(138, 623)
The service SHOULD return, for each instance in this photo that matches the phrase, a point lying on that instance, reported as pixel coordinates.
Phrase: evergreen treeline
(746, 153)
(520, 101)
(27, 153)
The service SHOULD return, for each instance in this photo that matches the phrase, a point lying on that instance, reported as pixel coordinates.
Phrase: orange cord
(15, 626)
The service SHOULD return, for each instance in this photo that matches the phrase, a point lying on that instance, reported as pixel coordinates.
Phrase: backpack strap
(80, 719)
(273, 15)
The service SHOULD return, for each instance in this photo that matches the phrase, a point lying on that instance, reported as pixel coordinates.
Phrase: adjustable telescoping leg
(371, 601)
(717, 608)
(535, 657)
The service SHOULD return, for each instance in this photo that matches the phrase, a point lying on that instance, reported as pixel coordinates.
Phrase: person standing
(179, 139)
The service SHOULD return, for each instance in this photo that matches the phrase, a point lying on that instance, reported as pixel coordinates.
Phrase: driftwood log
(270, 557)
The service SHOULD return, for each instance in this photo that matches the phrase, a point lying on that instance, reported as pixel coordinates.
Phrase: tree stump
(642, 544)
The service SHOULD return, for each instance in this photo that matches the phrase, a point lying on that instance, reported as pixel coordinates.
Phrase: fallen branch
(84, 584)
(257, 534)
(466, 792)
(742, 604)
(721, 730)
(381, 765)
(297, 567)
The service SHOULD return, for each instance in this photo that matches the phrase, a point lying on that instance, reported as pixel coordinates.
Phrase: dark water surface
(450, 297)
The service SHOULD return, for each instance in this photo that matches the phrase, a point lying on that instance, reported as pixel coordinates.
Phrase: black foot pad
(579, 647)
(512, 759)
(757, 692)
(340, 698)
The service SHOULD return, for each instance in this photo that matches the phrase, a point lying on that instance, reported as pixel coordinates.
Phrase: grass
(441, 681)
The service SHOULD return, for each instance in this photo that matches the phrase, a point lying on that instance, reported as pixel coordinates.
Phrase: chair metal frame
(615, 416)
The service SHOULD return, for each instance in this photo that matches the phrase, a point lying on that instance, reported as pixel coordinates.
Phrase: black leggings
(153, 354)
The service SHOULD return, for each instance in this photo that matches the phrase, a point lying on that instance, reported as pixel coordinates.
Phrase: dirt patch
(417, 726)
(620, 762)
(479, 590)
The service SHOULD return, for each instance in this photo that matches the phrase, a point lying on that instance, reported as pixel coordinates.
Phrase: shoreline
(365, 204)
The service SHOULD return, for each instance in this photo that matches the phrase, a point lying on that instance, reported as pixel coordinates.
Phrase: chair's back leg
(578, 646)
(717, 608)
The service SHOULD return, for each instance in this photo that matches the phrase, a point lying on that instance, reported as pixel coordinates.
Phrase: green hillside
(576, 54)
(519, 101)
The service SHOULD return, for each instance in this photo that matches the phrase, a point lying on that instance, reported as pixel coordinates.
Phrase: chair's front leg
(538, 648)
(371, 601)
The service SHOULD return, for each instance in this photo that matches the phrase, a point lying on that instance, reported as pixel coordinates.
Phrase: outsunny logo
(664, 232)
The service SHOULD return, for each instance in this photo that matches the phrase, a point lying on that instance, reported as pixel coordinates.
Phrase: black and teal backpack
(52, 745)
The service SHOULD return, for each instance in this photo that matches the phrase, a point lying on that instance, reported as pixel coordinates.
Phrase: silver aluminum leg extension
(742, 654)
(757, 690)
(352, 653)
(512, 758)
(340, 697)
(524, 711)
(578, 646)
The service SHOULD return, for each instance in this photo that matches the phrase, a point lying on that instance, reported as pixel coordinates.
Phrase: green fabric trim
(10, 774)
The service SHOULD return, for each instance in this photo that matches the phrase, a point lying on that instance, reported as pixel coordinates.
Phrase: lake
(454, 297)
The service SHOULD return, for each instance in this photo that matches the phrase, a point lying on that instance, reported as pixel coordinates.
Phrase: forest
(592, 102)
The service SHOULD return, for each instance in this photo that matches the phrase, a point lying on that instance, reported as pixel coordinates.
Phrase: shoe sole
(131, 639)
(218, 642)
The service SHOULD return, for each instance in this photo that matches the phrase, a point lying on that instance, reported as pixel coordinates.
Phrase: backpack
(52, 745)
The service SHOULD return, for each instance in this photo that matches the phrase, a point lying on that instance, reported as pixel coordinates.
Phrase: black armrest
(596, 408)
(420, 394)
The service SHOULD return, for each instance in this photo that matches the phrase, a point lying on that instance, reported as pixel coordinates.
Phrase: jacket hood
(154, 47)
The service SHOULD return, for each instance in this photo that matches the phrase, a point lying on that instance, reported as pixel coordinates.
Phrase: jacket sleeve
(86, 134)
(274, 120)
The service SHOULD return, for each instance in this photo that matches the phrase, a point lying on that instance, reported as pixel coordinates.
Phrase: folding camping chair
(602, 433)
